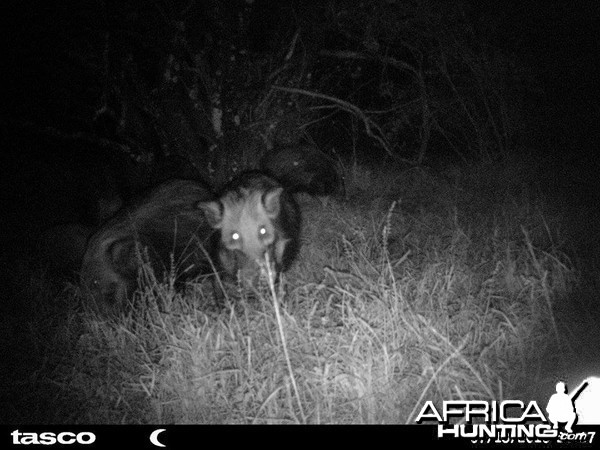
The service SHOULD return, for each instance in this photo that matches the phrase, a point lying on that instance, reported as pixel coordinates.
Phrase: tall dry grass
(420, 287)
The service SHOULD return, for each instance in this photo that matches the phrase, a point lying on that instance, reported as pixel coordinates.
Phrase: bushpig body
(164, 228)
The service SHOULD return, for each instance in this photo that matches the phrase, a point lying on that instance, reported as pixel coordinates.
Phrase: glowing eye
(235, 236)
(262, 231)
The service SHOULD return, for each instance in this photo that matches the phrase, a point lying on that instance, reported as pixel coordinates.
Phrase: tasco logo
(48, 438)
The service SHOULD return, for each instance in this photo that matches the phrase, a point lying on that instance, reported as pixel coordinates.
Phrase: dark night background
(102, 100)
(98, 68)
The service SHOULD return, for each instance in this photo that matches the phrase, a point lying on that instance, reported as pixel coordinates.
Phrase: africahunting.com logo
(513, 421)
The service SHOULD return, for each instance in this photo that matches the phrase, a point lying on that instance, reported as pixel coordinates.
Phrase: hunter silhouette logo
(560, 408)
(582, 407)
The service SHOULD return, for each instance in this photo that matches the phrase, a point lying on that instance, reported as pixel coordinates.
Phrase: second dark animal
(303, 168)
(164, 228)
(255, 216)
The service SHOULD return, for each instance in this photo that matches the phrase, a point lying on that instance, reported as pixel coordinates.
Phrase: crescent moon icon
(154, 437)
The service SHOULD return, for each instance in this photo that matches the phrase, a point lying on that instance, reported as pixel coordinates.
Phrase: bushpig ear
(123, 254)
(280, 246)
(272, 202)
(213, 213)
